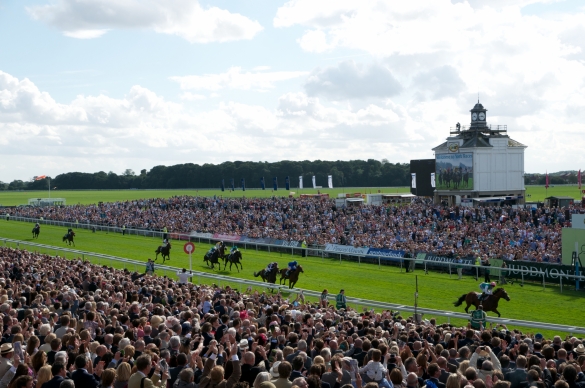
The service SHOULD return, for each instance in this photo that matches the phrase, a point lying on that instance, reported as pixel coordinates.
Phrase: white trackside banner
(301, 182)
(413, 180)
(330, 181)
(432, 179)
(314, 183)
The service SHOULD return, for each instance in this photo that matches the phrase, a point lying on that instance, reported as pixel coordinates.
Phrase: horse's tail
(460, 300)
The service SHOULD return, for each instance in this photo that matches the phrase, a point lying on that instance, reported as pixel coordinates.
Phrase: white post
(49, 187)
(190, 264)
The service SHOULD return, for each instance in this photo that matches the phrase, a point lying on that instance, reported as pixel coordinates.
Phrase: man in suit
(59, 374)
(297, 368)
(517, 376)
(249, 371)
(81, 377)
(301, 347)
(442, 362)
(284, 370)
(434, 372)
(140, 378)
(174, 372)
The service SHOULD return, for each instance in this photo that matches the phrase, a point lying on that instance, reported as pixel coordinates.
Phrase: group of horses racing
(270, 276)
(213, 256)
(234, 258)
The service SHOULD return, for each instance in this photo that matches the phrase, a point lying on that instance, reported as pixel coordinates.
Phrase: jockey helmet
(295, 262)
(493, 284)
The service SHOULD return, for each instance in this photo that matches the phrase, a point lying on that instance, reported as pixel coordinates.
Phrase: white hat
(244, 344)
(274, 370)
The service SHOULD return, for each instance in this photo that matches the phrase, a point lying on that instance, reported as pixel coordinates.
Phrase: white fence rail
(244, 283)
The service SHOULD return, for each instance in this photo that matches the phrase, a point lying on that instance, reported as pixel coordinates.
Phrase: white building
(479, 163)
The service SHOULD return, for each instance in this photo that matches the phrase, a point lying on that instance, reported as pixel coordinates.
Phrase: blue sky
(89, 85)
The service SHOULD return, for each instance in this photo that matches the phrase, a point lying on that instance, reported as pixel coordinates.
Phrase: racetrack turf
(368, 281)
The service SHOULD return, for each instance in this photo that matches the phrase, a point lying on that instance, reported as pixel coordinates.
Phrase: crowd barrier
(518, 271)
(244, 284)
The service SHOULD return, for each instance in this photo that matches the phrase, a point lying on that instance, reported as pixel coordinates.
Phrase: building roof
(476, 142)
(514, 143)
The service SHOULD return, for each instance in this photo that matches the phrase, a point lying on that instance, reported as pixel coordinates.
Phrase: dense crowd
(500, 232)
(73, 324)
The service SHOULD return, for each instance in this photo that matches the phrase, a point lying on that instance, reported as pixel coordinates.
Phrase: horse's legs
(495, 310)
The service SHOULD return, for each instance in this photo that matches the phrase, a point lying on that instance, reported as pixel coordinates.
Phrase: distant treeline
(354, 173)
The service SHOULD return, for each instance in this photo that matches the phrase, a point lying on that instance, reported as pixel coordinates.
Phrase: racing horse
(233, 258)
(36, 231)
(489, 304)
(292, 277)
(269, 277)
(212, 257)
(164, 252)
(68, 238)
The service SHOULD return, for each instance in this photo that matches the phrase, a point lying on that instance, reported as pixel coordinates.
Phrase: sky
(110, 85)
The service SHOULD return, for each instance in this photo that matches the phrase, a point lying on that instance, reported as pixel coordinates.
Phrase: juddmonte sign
(550, 271)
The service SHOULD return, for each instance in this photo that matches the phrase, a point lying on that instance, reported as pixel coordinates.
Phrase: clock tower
(478, 117)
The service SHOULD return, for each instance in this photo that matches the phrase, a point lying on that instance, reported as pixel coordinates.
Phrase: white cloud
(87, 19)
(235, 78)
(349, 80)
(85, 34)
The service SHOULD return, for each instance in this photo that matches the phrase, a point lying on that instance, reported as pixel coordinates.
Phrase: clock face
(482, 116)
(474, 116)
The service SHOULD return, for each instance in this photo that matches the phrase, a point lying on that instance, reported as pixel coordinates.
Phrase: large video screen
(454, 171)
(424, 170)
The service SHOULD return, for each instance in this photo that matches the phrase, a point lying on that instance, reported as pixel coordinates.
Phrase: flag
(222, 185)
(579, 179)
(232, 184)
(287, 183)
(262, 184)
(275, 183)
(314, 182)
(546, 184)
(300, 182)
(330, 181)
(40, 177)
(413, 180)
(243, 185)
(432, 179)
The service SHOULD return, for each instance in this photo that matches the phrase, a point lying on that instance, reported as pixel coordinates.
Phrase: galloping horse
(292, 277)
(68, 238)
(36, 230)
(212, 257)
(164, 251)
(269, 277)
(223, 252)
(489, 304)
(233, 258)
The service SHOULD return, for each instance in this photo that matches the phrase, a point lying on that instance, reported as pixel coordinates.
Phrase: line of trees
(354, 173)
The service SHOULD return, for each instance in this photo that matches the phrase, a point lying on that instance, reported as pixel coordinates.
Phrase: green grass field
(73, 197)
(368, 281)
(84, 197)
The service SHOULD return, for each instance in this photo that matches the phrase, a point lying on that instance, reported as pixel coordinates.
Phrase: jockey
(270, 267)
(234, 249)
(165, 243)
(486, 289)
(219, 244)
(291, 267)
(37, 225)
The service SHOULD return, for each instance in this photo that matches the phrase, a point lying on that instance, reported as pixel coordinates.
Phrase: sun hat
(243, 344)
(6, 348)
(274, 370)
